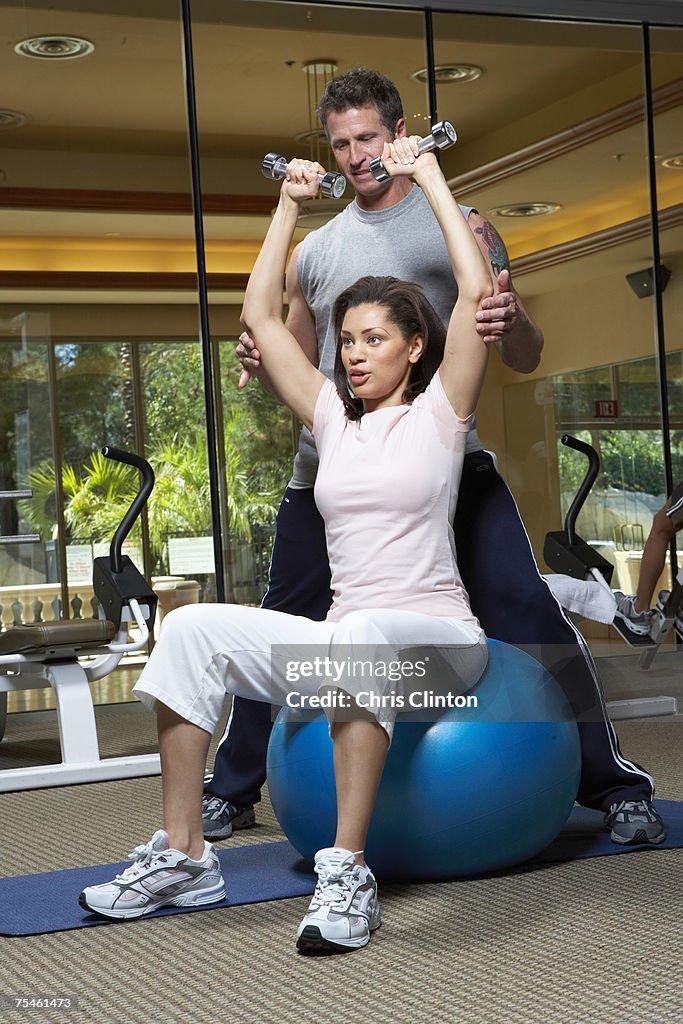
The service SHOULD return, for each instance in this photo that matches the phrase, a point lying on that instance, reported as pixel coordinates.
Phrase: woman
(391, 439)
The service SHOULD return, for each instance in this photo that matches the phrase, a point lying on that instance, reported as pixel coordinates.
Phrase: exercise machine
(566, 552)
(49, 654)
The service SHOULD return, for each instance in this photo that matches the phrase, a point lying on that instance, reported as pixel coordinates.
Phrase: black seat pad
(42, 636)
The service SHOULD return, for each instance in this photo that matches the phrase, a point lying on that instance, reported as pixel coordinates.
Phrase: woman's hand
(402, 158)
(302, 180)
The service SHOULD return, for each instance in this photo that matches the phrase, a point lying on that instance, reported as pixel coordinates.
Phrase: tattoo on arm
(495, 247)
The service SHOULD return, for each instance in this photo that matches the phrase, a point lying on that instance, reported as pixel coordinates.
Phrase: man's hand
(250, 358)
(500, 314)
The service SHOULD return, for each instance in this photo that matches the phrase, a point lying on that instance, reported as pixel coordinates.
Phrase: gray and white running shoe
(220, 818)
(636, 622)
(158, 877)
(633, 822)
(344, 909)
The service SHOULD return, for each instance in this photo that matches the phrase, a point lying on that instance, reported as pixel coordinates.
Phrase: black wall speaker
(643, 281)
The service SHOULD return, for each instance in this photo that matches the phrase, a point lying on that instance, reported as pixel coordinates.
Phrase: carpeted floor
(588, 942)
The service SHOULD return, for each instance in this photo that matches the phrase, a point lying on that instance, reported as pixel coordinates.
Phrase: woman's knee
(183, 618)
(205, 619)
(194, 631)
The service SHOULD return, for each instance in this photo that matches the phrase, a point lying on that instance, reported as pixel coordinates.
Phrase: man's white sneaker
(344, 909)
(158, 877)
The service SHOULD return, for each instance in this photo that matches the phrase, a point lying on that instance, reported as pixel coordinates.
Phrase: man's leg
(298, 583)
(675, 509)
(654, 558)
(514, 604)
(634, 611)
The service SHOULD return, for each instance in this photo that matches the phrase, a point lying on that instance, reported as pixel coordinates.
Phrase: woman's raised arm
(295, 380)
(465, 356)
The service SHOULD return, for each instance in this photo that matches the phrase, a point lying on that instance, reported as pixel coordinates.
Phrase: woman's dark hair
(362, 87)
(412, 313)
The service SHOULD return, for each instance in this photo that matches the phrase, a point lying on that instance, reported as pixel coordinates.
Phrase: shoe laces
(216, 804)
(631, 806)
(142, 856)
(335, 875)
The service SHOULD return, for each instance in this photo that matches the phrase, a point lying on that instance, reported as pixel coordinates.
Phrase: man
(389, 229)
(634, 612)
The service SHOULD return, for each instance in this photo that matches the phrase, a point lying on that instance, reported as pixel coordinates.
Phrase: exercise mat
(48, 902)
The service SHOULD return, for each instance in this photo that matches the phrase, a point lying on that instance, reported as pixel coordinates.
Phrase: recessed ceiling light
(450, 73)
(11, 119)
(54, 47)
(525, 209)
(674, 162)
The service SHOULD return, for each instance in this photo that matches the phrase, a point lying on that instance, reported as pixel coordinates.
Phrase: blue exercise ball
(475, 791)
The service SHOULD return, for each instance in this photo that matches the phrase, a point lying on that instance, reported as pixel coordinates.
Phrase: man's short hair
(362, 87)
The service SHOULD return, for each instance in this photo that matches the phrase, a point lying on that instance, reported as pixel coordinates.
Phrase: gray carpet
(576, 943)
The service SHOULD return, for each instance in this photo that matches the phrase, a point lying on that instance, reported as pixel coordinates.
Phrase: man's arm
(300, 322)
(502, 319)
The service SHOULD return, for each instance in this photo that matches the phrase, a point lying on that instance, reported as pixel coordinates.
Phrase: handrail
(584, 489)
(126, 524)
(135, 645)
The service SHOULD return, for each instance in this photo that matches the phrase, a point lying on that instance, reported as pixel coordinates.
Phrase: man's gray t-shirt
(403, 240)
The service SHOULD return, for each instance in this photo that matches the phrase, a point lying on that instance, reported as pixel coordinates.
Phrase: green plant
(97, 495)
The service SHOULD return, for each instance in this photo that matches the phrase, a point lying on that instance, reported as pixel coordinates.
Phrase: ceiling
(116, 119)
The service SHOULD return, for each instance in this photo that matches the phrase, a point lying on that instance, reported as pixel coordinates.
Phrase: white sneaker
(344, 909)
(159, 877)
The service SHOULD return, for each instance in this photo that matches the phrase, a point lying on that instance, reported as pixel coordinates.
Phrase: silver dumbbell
(332, 184)
(443, 135)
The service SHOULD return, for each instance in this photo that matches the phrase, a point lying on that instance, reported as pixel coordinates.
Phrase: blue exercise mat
(37, 904)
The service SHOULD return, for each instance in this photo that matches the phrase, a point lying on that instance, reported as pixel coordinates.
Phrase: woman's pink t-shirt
(387, 487)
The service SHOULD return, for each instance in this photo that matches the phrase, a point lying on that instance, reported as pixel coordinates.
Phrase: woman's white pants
(207, 650)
